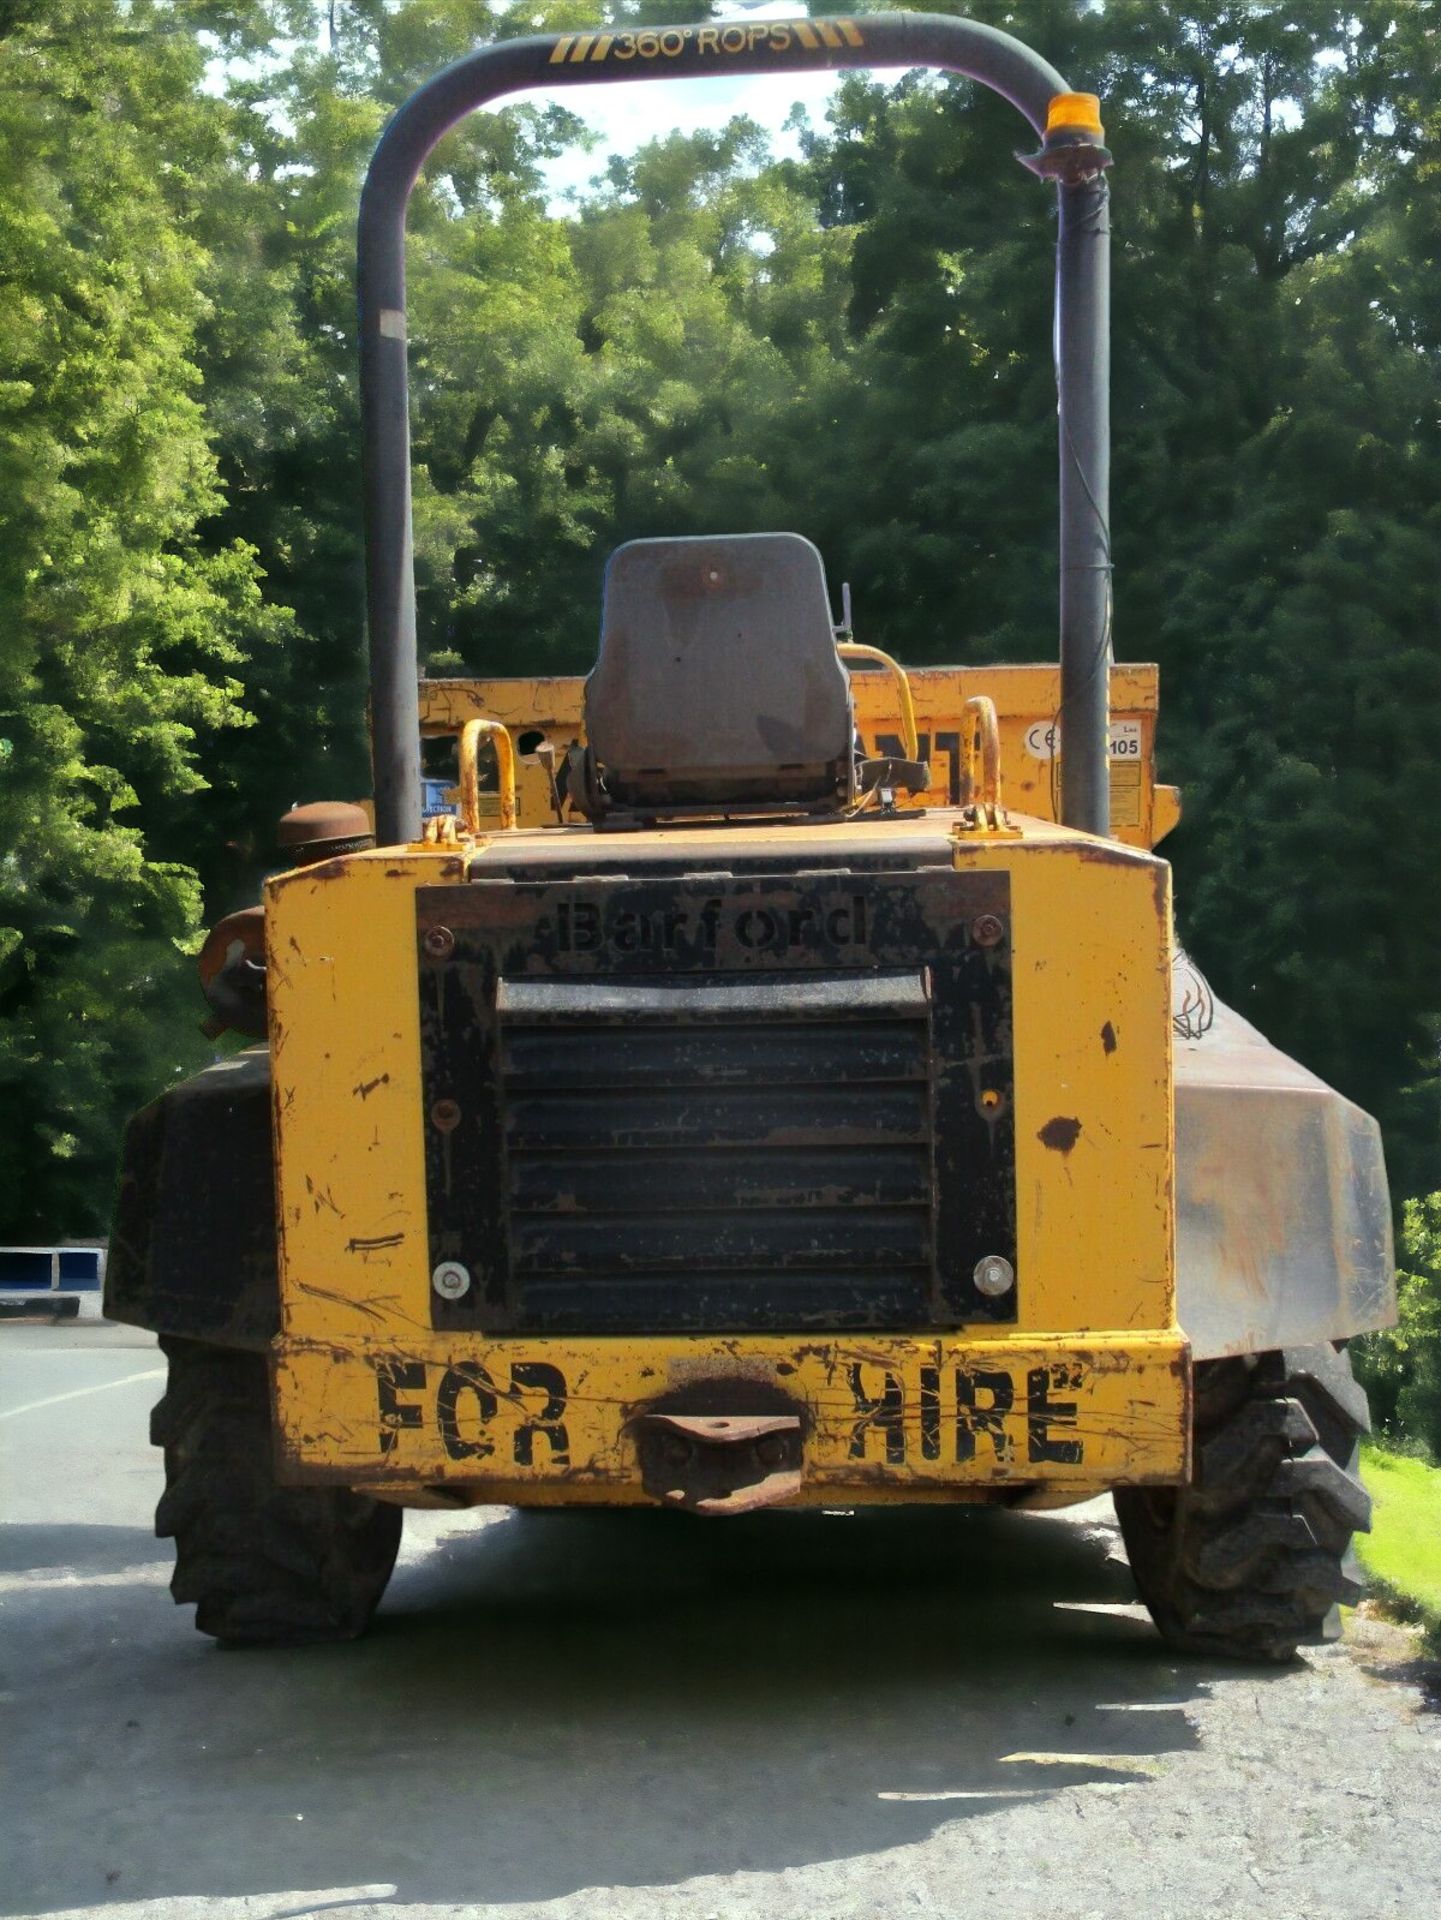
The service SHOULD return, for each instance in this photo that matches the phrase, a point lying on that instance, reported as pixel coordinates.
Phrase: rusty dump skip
(1282, 1217)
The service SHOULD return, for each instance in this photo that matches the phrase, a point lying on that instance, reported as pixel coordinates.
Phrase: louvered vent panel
(718, 1156)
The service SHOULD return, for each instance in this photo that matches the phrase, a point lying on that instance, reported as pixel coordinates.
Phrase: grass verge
(1402, 1552)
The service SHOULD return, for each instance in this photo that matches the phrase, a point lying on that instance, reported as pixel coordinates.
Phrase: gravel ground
(792, 1717)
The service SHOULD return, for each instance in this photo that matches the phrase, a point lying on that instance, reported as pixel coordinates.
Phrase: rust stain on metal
(327, 870)
(1109, 853)
(367, 1087)
(1060, 1134)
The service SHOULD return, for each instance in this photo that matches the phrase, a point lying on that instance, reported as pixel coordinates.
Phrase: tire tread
(1254, 1558)
(262, 1564)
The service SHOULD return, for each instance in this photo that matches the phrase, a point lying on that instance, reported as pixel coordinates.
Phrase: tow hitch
(720, 1463)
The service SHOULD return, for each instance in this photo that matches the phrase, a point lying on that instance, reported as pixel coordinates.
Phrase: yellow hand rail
(983, 746)
(854, 650)
(981, 733)
(471, 735)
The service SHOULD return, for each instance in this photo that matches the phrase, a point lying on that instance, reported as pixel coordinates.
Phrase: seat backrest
(718, 678)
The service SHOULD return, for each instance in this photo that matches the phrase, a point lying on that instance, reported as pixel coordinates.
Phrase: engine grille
(717, 1103)
(718, 1153)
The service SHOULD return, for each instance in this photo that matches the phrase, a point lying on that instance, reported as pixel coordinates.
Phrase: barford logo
(585, 926)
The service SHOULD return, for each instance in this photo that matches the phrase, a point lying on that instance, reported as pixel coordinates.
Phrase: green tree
(1401, 1368)
(630, 372)
(278, 354)
(123, 634)
(1291, 461)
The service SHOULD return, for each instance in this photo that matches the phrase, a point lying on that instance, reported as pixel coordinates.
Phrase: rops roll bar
(1071, 154)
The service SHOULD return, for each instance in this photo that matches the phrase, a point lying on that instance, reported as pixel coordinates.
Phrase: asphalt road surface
(791, 1717)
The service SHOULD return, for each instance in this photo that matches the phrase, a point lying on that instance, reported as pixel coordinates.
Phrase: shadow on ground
(553, 1702)
(55, 1551)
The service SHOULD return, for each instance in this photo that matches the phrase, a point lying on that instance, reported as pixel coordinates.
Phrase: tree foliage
(855, 343)
(1401, 1368)
(125, 636)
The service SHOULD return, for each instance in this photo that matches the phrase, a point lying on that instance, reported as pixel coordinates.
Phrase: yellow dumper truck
(773, 1082)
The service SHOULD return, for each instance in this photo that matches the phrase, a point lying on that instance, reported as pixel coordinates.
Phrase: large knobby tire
(265, 1565)
(1253, 1559)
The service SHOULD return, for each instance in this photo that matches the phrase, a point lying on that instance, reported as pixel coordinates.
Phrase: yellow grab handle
(854, 650)
(983, 753)
(471, 735)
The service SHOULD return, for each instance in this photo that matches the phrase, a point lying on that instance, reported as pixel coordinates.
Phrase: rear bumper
(884, 1417)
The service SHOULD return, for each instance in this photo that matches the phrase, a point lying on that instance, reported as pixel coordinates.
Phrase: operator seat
(717, 682)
